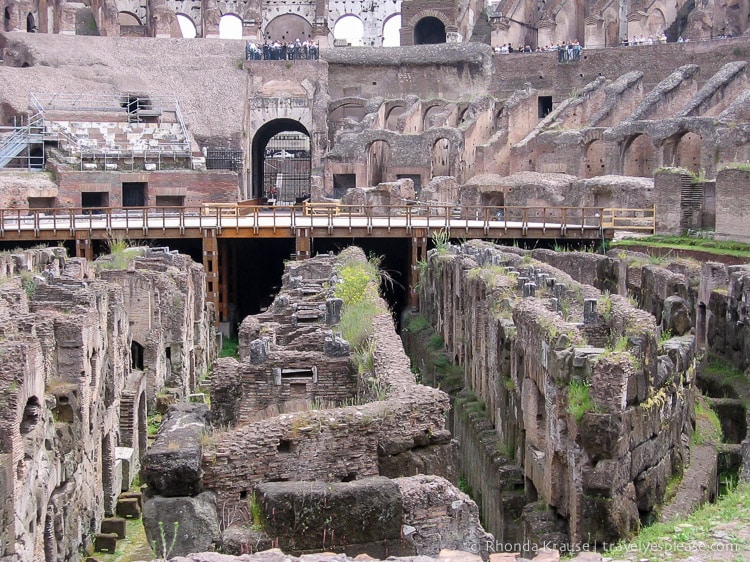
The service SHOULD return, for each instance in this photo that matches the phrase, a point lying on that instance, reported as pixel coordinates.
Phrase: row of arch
(640, 157)
(286, 27)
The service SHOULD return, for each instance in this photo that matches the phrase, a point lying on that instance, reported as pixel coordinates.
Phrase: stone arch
(30, 23)
(391, 30)
(187, 26)
(393, 112)
(346, 108)
(429, 31)
(32, 412)
(463, 115)
(431, 14)
(687, 151)
(595, 159)
(288, 27)
(429, 111)
(264, 176)
(349, 28)
(611, 28)
(378, 157)
(655, 22)
(128, 18)
(348, 102)
(230, 26)
(440, 161)
(638, 156)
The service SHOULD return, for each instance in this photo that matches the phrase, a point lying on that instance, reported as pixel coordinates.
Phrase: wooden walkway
(213, 222)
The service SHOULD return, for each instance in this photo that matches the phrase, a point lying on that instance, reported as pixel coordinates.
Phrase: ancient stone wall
(600, 468)
(74, 415)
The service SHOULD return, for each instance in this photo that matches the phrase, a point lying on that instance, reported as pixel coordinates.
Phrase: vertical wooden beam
(211, 268)
(84, 248)
(223, 259)
(418, 253)
(228, 277)
(303, 243)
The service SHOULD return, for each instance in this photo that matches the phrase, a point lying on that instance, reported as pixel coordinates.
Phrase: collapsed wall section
(388, 426)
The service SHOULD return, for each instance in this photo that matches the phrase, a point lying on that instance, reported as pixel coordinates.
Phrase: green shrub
(579, 399)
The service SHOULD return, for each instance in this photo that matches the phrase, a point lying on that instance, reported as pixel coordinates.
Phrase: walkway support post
(303, 243)
(211, 268)
(418, 254)
(84, 248)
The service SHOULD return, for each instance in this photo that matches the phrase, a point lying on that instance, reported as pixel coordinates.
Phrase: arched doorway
(230, 27)
(281, 155)
(687, 152)
(638, 157)
(391, 121)
(349, 29)
(429, 113)
(127, 19)
(378, 156)
(594, 162)
(187, 27)
(288, 27)
(656, 22)
(30, 23)
(429, 31)
(6, 19)
(392, 31)
(440, 162)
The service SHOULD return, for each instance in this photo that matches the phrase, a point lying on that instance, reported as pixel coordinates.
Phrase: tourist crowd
(571, 50)
(566, 50)
(281, 50)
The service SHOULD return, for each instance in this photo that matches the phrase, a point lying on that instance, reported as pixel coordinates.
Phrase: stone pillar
(733, 204)
(667, 190)
(211, 267)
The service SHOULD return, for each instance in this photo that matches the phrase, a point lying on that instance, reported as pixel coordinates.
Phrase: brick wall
(733, 205)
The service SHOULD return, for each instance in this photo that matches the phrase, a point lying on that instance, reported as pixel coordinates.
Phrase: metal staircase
(21, 139)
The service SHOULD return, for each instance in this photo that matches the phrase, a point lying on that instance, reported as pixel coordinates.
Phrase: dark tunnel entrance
(429, 31)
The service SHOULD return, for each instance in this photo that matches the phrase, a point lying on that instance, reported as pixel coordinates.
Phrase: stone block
(449, 555)
(547, 555)
(172, 465)
(504, 556)
(130, 508)
(133, 494)
(114, 525)
(149, 167)
(116, 488)
(190, 524)
(363, 511)
(129, 469)
(105, 542)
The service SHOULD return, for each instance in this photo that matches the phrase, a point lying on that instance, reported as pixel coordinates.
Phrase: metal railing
(476, 220)
(21, 138)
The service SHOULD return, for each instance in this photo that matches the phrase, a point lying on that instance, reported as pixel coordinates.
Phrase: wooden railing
(479, 219)
(629, 219)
